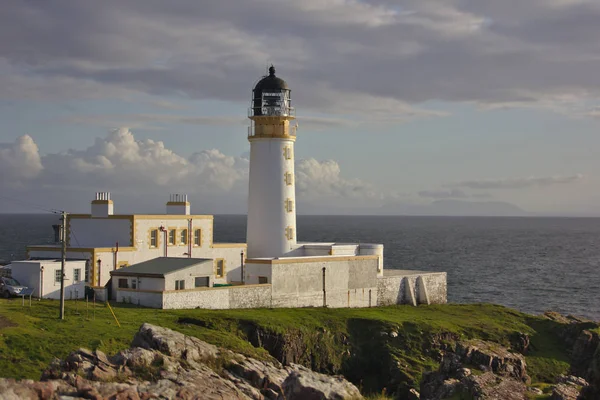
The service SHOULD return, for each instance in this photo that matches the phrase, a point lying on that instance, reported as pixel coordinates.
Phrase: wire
(32, 205)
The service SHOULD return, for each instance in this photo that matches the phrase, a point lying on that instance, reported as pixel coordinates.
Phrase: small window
(289, 205)
(289, 178)
(154, 238)
(172, 234)
(180, 285)
(289, 233)
(183, 236)
(57, 276)
(198, 237)
(287, 153)
(134, 283)
(220, 268)
(123, 264)
(123, 283)
(201, 281)
(262, 280)
(76, 274)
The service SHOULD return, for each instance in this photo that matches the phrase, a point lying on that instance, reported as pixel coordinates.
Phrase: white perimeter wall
(395, 289)
(267, 217)
(348, 283)
(250, 296)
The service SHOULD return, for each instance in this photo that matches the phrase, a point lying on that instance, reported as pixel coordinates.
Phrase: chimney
(178, 205)
(102, 205)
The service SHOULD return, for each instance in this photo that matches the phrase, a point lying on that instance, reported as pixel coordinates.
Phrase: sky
(403, 106)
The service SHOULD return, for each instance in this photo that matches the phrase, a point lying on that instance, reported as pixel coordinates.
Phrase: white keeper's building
(272, 270)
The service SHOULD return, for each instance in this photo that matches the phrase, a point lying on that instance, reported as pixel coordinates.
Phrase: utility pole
(62, 264)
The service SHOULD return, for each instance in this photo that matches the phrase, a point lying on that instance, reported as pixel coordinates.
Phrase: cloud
(123, 164)
(369, 58)
(19, 161)
(518, 183)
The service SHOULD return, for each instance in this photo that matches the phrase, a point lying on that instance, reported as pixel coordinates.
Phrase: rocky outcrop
(501, 374)
(166, 364)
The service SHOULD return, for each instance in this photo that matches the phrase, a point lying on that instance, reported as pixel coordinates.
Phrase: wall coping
(308, 259)
(204, 289)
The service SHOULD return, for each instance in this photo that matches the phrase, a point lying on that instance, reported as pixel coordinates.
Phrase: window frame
(121, 281)
(198, 237)
(183, 234)
(180, 284)
(57, 276)
(76, 275)
(289, 233)
(288, 178)
(289, 205)
(174, 241)
(154, 236)
(217, 260)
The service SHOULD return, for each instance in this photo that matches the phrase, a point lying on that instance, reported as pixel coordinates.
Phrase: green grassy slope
(355, 342)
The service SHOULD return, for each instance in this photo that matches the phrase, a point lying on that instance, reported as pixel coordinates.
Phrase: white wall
(189, 275)
(267, 217)
(99, 232)
(29, 273)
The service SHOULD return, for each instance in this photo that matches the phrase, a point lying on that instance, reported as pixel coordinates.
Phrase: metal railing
(271, 111)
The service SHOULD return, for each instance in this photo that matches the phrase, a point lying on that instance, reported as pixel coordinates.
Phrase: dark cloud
(344, 56)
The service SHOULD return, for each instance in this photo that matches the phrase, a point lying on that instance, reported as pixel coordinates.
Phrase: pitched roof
(160, 266)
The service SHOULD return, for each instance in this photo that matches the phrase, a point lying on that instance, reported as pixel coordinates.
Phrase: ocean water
(531, 264)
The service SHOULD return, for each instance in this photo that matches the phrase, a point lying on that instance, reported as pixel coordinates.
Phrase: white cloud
(20, 161)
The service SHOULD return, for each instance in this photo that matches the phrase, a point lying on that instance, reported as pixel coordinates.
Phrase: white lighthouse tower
(272, 191)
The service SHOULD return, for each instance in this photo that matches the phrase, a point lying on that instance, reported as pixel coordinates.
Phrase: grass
(37, 335)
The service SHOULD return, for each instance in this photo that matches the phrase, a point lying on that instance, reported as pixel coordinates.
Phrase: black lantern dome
(271, 97)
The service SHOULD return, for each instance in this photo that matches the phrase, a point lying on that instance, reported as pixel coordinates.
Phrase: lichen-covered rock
(564, 391)
(494, 357)
(304, 384)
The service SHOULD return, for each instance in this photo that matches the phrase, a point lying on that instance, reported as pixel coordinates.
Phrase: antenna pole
(63, 254)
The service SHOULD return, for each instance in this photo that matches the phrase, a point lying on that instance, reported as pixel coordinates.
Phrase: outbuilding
(44, 277)
(163, 274)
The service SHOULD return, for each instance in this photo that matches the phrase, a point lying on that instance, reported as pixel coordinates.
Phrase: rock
(491, 386)
(413, 395)
(521, 342)
(494, 357)
(174, 344)
(303, 384)
(167, 364)
(572, 380)
(536, 391)
(394, 334)
(565, 392)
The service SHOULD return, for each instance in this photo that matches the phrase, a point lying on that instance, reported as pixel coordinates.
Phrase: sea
(531, 264)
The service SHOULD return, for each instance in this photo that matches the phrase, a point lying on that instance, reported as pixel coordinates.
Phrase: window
(76, 274)
(123, 283)
(87, 270)
(287, 153)
(183, 236)
(172, 234)
(57, 276)
(198, 237)
(262, 280)
(154, 238)
(289, 205)
(289, 178)
(219, 268)
(180, 285)
(134, 283)
(289, 233)
(122, 264)
(201, 281)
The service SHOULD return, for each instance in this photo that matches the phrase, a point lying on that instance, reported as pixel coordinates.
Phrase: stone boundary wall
(228, 297)
(423, 288)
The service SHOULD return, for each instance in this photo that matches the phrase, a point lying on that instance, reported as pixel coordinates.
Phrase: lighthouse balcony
(272, 111)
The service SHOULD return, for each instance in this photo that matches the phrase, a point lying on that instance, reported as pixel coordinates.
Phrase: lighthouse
(271, 228)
